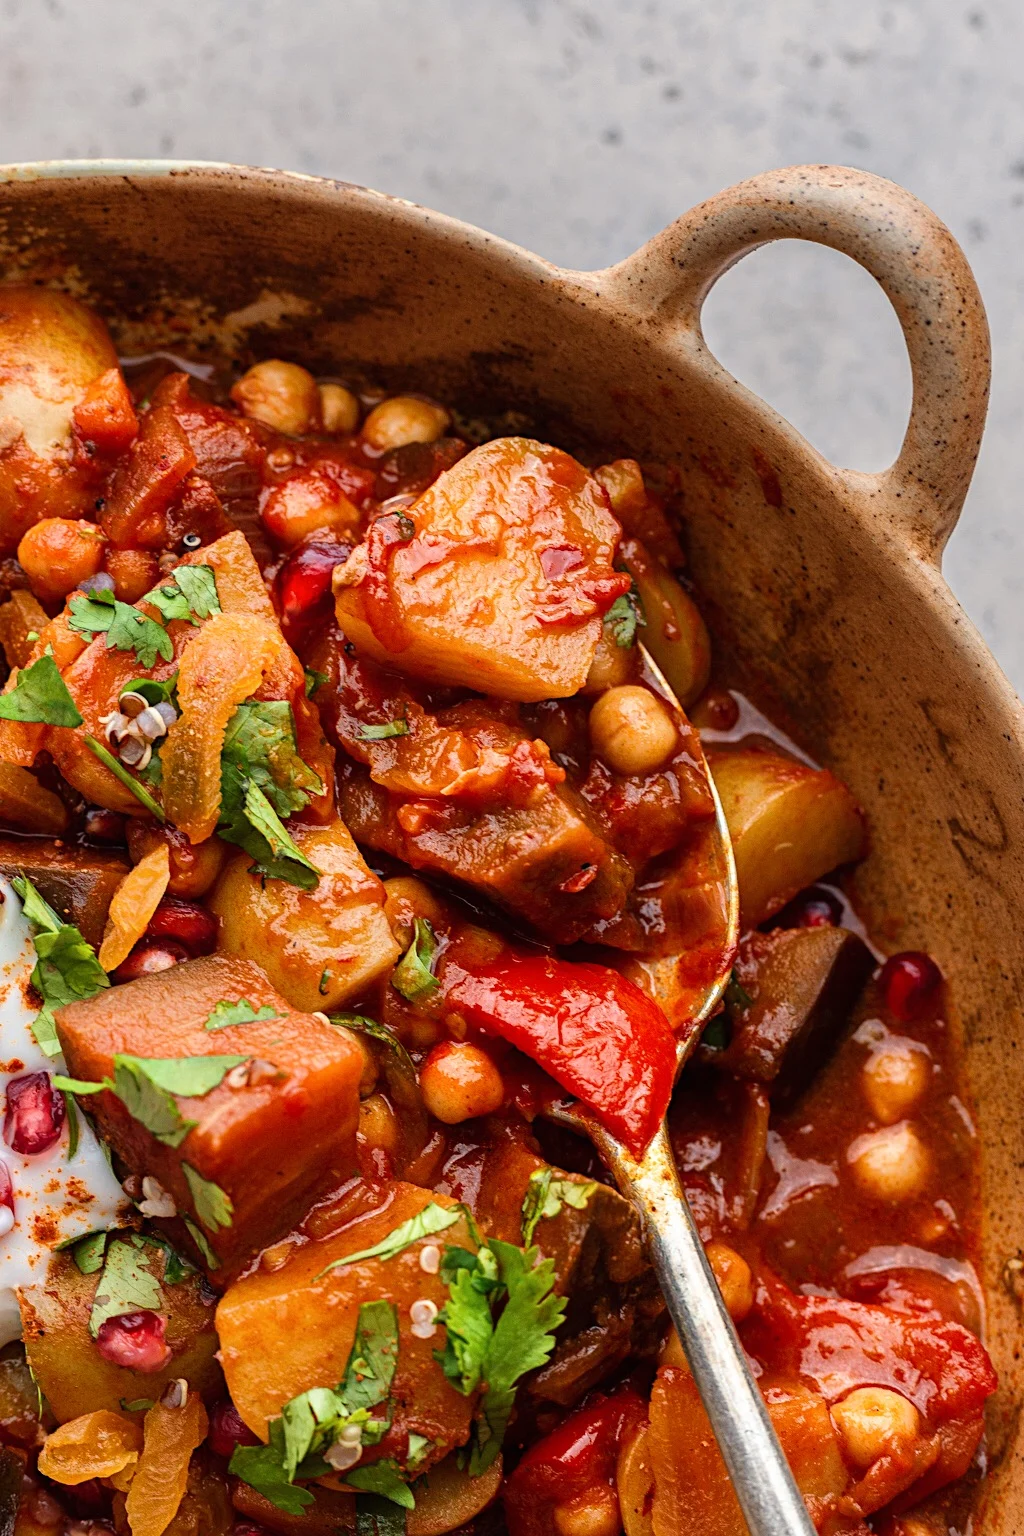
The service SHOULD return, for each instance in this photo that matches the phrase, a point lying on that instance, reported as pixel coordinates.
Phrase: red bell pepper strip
(594, 1032)
(577, 1456)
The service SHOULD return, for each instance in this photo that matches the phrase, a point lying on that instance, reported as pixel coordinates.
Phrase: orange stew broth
(777, 1186)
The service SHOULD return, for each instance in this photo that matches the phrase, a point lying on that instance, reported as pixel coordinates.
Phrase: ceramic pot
(824, 584)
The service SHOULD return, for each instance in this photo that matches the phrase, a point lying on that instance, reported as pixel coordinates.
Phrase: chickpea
(135, 572)
(891, 1164)
(404, 419)
(459, 1082)
(873, 1420)
(732, 1274)
(632, 730)
(59, 553)
(612, 664)
(895, 1079)
(194, 867)
(405, 899)
(281, 395)
(307, 503)
(378, 1124)
(594, 1513)
(339, 408)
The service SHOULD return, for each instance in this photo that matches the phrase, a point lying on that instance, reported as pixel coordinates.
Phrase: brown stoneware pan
(824, 585)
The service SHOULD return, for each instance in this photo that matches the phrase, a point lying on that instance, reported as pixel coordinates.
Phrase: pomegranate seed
(227, 1429)
(136, 1341)
(304, 581)
(187, 923)
(909, 982)
(146, 959)
(6, 1200)
(813, 908)
(35, 1114)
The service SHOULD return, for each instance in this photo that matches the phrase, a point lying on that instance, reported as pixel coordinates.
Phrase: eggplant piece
(802, 984)
(77, 882)
(252, 1153)
(72, 1374)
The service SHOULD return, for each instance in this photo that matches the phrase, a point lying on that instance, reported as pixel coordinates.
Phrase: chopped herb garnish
(71, 1116)
(147, 1087)
(384, 731)
(108, 760)
(126, 628)
(419, 1449)
(364, 1026)
(249, 819)
(151, 690)
(623, 617)
(314, 680)
(717, 1033)
(199, 1238)
(66, 969)
(190, 592)
(137, 1404)
(312, 1422)
(433, 1218)
(41, 696)
(225, 1013)
(736, 995)
(413, 976)
(213, 1206)
(383, 1478)
(325, 981)
(545, 1197)
(127, 1284)
(259, 745)
(491, 1347)
(88, 1252)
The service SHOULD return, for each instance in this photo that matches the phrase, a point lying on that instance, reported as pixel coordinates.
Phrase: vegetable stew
(353, 822)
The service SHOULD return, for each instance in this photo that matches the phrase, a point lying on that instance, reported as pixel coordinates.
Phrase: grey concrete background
(579, 130)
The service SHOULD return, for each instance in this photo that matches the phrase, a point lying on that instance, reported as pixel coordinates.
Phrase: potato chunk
(267, 1143)
(790, 825)
(496, 579)
(72, 1374)
(51, 348)
(285, 1330)
(318, 947)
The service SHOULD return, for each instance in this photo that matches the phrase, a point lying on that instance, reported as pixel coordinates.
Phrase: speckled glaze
(823, 584)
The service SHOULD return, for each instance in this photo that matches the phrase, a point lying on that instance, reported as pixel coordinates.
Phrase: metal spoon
(772, 1504)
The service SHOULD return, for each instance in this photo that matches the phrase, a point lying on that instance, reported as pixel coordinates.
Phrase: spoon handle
(769, 1498)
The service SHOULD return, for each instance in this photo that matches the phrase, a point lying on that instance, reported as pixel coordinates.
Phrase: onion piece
(133, 905)
(223, 666)
(99, 1444)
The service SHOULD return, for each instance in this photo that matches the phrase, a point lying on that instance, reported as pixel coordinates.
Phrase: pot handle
(922, 270)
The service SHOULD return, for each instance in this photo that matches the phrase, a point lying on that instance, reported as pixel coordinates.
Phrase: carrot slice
(158, 1487)
(132, 906)
(97, 1444)
(224, 665)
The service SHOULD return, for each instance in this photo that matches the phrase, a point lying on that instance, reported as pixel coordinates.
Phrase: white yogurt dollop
(55, 1197)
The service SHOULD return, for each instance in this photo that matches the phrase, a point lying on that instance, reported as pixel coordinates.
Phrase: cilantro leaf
(40, 695)
(623, 617)
(148, 1103)
(545, 1196)
(190, 592)
(249, 820)
(468, 1324)
(121, 773)
(314, 680)
(717, 1034)
(66, 969)
(419, 1448)
(361, 1025)
(433, 1218)
(736, 995)
(260, 743)
(127, 1284)
(126, 628)
(383, 731)
(88, 1252)
(225, 1013)
(310, 1423)
(152, 691)
(136, 1405)
(383, 1479)
(213, 1206)
(413, 976)
(190, 1077)
(522, 1341)
(198, 1236)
